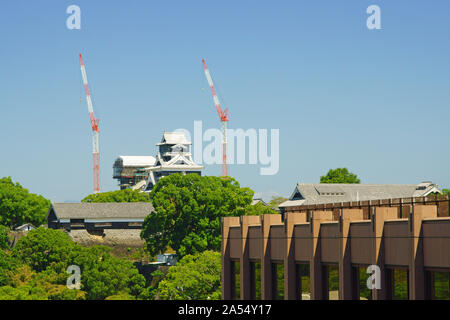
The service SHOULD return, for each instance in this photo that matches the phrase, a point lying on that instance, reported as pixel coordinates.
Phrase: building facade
(173, 157)
(407, 240)
(143, 172)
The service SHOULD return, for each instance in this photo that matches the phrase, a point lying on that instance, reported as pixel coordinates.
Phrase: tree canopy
(276, 200)
(259, 209)
(23, 283)
(188, 209)
(7, 264)
(42, 248)
(270, 208)
(18, 206)
(194, 277)
(339, 175)
(4, 238)
(36, 269)
(125, 195)
(104, 275)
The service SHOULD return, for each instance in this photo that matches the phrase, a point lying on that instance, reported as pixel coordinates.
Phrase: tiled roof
(110, 210)
(319, 193)
(174, 138)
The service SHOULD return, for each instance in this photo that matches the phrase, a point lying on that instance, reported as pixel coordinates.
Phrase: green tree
(103, 275)
(120, 296)
(446, 191)
(258, 209)
(44, 247)
(188, 209)
(49, 252)
(18, 206)
(8, 263)
(25, 284)
(276, 201)
(23, 293)
(4, 238)
(125, 195)
(194, 277)
(339, 175)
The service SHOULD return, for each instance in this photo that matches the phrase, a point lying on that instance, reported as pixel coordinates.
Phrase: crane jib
(95, 129)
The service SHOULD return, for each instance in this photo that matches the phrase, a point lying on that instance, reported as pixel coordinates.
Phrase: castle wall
(108, 237)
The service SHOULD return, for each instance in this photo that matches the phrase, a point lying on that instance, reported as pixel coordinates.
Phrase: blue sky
(374, 101)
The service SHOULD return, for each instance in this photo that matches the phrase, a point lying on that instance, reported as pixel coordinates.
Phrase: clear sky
(374, 101)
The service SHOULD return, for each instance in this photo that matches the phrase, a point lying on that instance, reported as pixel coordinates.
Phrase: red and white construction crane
(223, 118)
(95, 130)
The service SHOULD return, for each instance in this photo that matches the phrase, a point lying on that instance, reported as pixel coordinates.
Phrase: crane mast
(223, 118)
(95, 129)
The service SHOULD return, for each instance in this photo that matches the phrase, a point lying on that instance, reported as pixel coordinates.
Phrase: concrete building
(318, 193)
(406, 237)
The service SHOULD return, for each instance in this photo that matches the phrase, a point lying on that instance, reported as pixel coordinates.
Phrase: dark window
(255, 280)
(331, 282)
(235, 280)
(401, 284)
(303, 281)
(277, 281)
(361, 290)
(441, 285)
(297, 196)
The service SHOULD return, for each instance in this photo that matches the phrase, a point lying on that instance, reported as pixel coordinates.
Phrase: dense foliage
(18, 206)
(276, 201)
(43, 248)
(194, 277)
(270, 208)
(4, 238)
(23, 283)
(125, 195)
(104, 275)
(339, 175)
(36, 269)
(188, 209)
(7, 264)
(259, 209)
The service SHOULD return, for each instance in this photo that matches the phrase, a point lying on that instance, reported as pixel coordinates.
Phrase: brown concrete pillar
(316, 270)
(227, 285)
(267, 220)
(290, 280)
(345, 266)
(378, 216)
(417, 277)
(245, 276)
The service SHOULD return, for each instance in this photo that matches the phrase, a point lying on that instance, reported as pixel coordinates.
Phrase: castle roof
(173, 138)
(319, 193)
(101, 211)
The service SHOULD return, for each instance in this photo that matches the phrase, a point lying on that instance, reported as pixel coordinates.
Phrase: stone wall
(108, 237)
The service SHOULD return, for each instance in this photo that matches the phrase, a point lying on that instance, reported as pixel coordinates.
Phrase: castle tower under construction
(143, 172)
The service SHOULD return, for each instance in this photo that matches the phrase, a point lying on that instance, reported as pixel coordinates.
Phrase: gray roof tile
(320, 193)
(125, 210)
